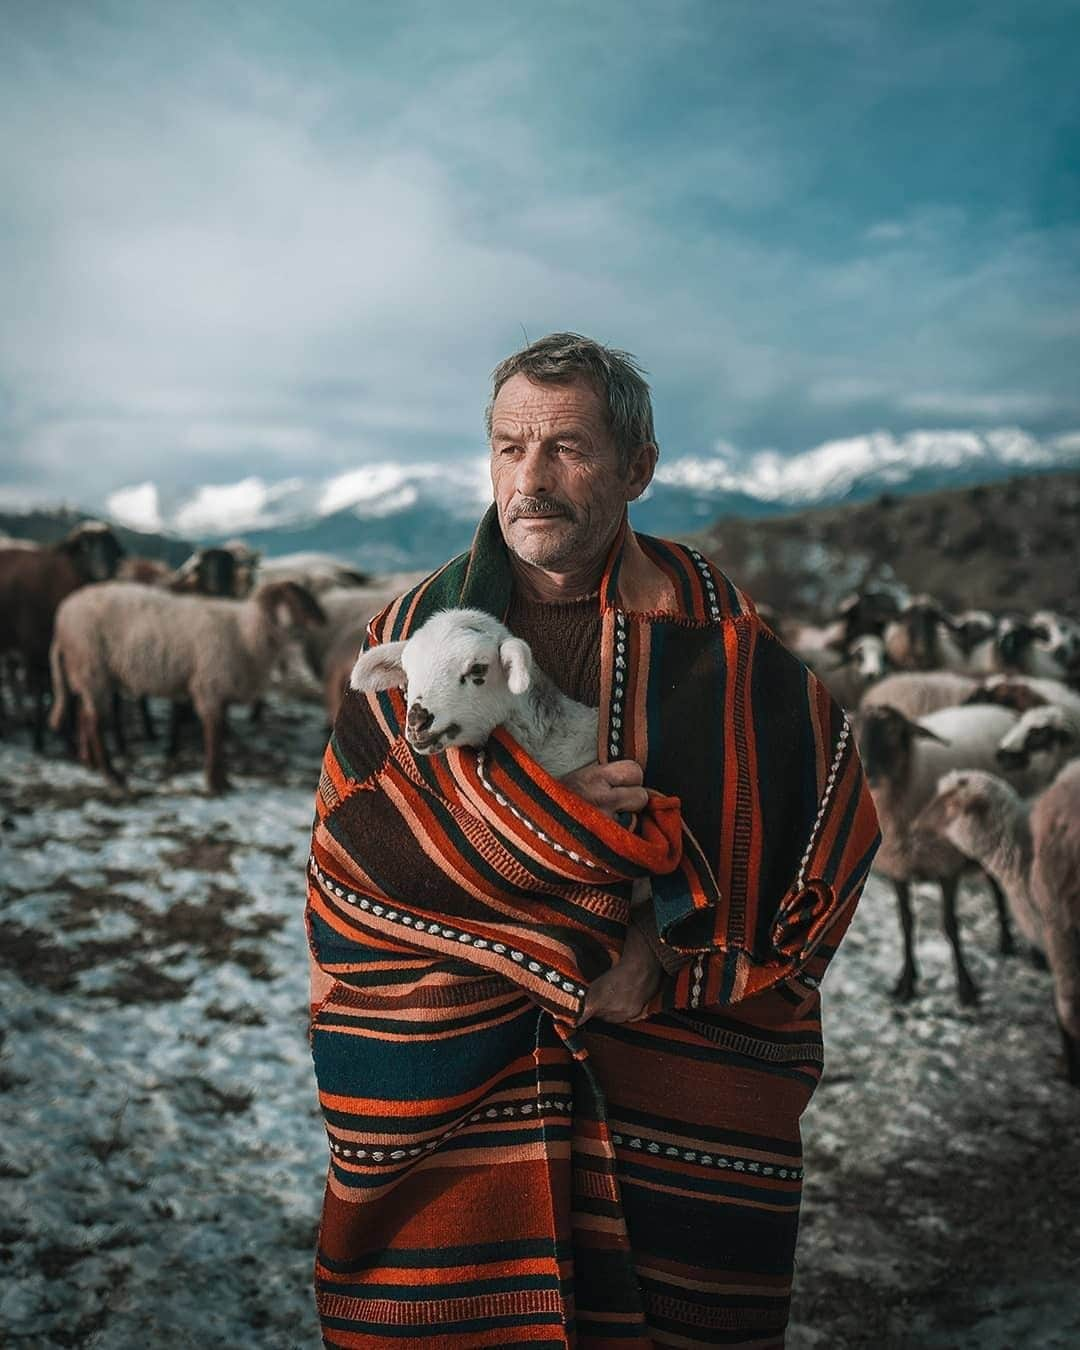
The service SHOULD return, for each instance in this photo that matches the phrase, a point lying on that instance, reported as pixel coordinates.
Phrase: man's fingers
(623, 773)
(632, 799)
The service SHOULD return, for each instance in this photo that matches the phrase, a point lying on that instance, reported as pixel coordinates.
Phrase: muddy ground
(161, 1157)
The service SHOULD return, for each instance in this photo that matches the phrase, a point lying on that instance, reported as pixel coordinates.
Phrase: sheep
(925, 637)
(1046, 645)
(349, 610)
(903, 760)
(316, 572)
(444, 666)
(916, 693)
(33, 582)
(849, 677)
(1025, 691)
(1034, 853)
(912, 639)
(151, 642)
(209, 571)
(1044, 739)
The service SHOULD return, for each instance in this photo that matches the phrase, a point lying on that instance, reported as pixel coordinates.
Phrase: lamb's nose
(419, 719)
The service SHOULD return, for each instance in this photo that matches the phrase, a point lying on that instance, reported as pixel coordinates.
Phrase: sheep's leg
(119, 737)
(1006, 945)
(179, 713)
(38, 690)
(99, 755)
(966, 989)
(257, 709)
(904, 989)
(148, 728)
(213, 720)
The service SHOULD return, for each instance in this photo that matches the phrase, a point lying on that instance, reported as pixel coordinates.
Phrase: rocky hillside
(1000, 546)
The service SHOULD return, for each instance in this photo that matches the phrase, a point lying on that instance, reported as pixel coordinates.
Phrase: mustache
(540, 506)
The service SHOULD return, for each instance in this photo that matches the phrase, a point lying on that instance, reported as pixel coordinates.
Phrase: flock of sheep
(968, 725)
(93, 626)
(969, 731)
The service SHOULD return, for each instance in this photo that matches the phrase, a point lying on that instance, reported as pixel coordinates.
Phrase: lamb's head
(1047, 736)
(461, 671)
(967, 810)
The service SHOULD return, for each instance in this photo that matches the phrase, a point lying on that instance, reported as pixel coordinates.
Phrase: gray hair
(561, 358)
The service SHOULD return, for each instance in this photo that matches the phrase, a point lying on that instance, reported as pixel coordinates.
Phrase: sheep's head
(885, 739)
(1059, 637)
(290, 606)
(921, 618)
(962, 809)
(867, 655)
(94, 549)
(1047, 736)
(461, 672)
(1015, 636)
(971, 628)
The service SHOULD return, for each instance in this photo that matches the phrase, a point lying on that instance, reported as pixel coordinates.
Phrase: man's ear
(379, 668)
(640, 470)
(516, 660)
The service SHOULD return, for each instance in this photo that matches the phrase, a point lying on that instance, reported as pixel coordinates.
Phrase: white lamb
(464, 674)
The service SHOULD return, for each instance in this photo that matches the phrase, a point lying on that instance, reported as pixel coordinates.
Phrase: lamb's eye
(477, 672)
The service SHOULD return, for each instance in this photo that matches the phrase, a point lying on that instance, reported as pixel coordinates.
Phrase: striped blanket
(499, 1177)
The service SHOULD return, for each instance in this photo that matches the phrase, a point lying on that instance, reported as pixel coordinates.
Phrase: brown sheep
(33, 582)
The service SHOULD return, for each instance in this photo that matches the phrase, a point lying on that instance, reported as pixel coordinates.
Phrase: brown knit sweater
(565, 639)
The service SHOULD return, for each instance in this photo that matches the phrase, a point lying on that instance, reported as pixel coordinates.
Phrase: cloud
(233, 507)
(986, 407)
(136, 506)
(291, 246)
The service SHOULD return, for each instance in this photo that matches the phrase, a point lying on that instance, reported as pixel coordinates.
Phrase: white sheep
(148, 641)
(903, 760)
(1044, 739)
(464, 674)
(316, 572)
(918, 692)
(1034, 853)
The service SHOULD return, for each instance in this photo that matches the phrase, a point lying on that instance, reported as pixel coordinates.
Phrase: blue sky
(291, 239)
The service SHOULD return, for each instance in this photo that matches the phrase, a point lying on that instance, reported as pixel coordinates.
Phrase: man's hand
(614, 787)
(621, 993)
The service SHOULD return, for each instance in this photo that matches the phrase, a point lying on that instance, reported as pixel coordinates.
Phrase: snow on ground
(162, 1158)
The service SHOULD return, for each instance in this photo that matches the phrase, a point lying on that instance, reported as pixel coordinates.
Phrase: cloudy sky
(287, 240)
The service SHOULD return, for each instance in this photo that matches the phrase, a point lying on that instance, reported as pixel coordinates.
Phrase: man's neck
(534, 583)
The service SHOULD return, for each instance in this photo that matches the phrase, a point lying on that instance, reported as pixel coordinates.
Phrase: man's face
(559, 488)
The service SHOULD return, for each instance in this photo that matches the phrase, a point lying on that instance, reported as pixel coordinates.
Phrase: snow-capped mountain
(389, 515)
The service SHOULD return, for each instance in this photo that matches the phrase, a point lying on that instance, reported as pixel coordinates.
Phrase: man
(550, 1125)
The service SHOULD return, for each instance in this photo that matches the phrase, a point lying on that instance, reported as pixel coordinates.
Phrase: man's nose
(534, 474)
(419, 719)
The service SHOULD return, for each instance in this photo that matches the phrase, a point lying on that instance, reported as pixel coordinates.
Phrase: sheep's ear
(379, 668)
(516, 659)
(924, 733)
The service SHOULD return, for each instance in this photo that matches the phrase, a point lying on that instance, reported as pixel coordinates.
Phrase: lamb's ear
(516, 660)
(379, 668)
